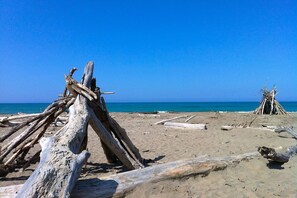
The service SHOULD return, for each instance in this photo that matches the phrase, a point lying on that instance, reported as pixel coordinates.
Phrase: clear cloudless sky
(150, 51)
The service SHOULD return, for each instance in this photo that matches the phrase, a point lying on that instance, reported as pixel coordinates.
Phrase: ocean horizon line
(13, 108)
(157, 102)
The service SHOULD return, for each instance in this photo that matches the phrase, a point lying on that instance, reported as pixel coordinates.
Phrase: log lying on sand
(272, 155)
(120, 184)
(185, 125)
(280, 157)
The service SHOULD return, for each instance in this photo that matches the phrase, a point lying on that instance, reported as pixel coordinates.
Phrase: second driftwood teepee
(269, 105)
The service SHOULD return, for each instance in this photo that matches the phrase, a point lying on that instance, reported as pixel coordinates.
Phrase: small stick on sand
(193, 116)
(175, 118)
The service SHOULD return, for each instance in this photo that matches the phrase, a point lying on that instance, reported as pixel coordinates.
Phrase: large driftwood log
(272, 155)
(120, 184)
(60, 160)
(185, 125)
(280, 157)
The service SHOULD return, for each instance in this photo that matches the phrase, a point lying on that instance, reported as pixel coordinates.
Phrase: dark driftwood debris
(280, 157)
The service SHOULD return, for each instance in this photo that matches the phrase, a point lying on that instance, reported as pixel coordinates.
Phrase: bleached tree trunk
(185, 125)
(60, 160)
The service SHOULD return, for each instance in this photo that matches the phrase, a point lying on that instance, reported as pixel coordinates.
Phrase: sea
(150, 107)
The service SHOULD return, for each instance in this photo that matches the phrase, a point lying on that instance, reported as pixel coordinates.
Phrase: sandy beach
(253, 178)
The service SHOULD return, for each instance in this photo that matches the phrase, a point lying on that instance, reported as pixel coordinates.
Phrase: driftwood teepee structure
(63, 154)
(269, 105)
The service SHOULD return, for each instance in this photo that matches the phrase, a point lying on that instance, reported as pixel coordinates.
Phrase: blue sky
(154, 51)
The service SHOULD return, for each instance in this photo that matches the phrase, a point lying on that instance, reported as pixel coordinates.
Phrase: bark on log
(60, 160)
(120, 184)
(185, 125)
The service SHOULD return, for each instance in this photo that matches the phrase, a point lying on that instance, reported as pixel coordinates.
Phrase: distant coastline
(130, 107)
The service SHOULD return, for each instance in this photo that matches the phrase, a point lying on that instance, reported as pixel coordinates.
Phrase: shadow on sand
(275, 165)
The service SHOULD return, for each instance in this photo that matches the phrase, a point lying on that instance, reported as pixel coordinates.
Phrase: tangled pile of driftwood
(269, 105)
(64, 153)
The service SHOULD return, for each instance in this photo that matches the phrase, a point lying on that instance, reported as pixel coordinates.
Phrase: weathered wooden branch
(190, 118)
(280, 157)
(101, 112)
(271, 154)
(76, 88)
(120, 184)
(18, 127)
(16, 117)
(175, 118)
(112, 143)
(42, 120)
(122, 134)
